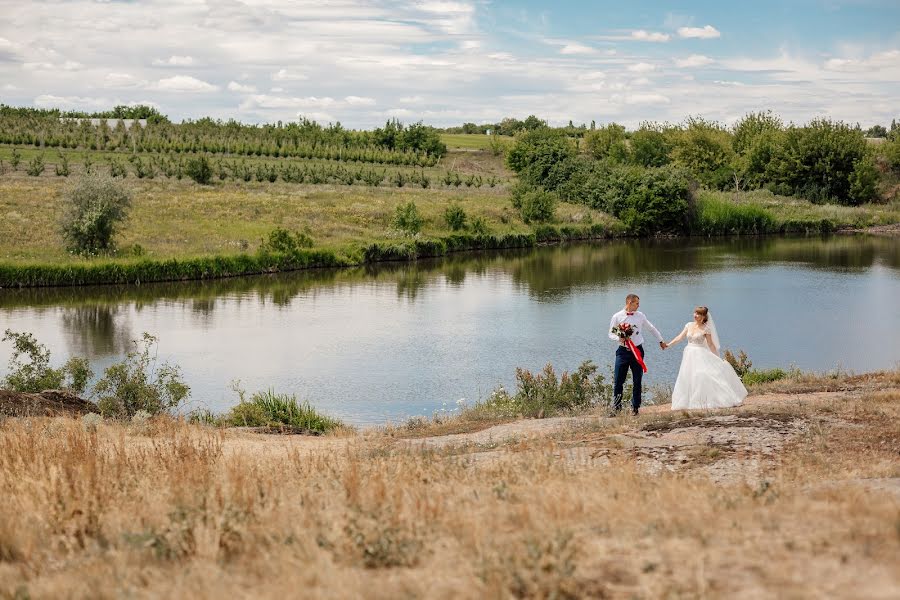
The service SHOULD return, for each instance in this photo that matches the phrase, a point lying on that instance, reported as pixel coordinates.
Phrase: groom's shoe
(635, 412)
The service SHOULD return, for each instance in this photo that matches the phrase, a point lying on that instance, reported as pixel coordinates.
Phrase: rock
(49, 403)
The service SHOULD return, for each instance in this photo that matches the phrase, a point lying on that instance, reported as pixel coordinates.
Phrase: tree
(607, 142)
(752, 126)
(877, 131)
(96, 207)
(537, 152)
(650, 146)
(704, 149)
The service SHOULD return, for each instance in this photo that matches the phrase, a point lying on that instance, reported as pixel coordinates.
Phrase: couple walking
(704, 380)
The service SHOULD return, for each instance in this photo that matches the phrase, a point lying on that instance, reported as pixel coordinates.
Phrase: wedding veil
(711, 325)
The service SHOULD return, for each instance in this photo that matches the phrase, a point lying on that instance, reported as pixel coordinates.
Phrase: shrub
(36, 375)
(36, 165)
(818, 161)
(97, 205)
(62, 167)
(407, 218)
(266, 409)
(545, 394)
(137, 383)
(740, 363)
(863, 181)
(537, 205)
(754, 377)
(536, 152)
(650, 201)
(15, 159)
(479, 226)
(282, 241)
(704, 149)
(199, 170)
(607, 142)
(650, 146)
(455, 217)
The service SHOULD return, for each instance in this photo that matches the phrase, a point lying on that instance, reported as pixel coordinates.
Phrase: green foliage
(36, 165)
(650, 146)
(545, 394)
(877, 131)
(117, 168)
(863, 181)
(536, 153)
(15, 159)
(455, 217)
(479, 226)
(282, 241)
(199, 170)
(818, 161)
(754, 377)
(96, 207)
(704, 149)
(752, 126)
(607, 142)
(650, 201)
(138, 383)
(740, 363)
(62, 166)
(268, 409)
(891, 152)
(535, 205)
(35, 374)
(407, 218)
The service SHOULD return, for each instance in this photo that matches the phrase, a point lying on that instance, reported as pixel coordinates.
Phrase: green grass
(268, 409)
(472, 141)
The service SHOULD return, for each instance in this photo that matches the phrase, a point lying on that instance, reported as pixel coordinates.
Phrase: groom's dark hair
(631, 297)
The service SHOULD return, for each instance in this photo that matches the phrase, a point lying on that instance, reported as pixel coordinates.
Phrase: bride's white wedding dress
(704, 380)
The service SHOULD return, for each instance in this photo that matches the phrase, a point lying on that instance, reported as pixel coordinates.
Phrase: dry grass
(172, 510)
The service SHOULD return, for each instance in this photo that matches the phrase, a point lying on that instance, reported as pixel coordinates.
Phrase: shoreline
(205, 268)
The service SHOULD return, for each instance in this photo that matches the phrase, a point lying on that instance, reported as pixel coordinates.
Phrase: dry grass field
(794, 495)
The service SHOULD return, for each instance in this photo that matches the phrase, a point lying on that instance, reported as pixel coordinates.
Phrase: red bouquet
(625, 331)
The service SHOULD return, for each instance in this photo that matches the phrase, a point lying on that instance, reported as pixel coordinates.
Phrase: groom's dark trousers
(625, 360)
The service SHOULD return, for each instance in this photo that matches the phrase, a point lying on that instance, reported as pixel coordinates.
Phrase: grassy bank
(179, 230)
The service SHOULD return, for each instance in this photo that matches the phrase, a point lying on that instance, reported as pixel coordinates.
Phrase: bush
(36, 375)
(704, 149)
(536, 205)
(97, 205)
(15, 159)
(818, 161)
(650, 146)
(455, 217)
(607, 142)
(863, 181)
(62, 167)
(199, 170)
(740, 363)
(268, 409)
(137, 383)
(282, 241)
(650, 201)
(544, 394)
(716, 216)
(36, 165)
(407, 218)
(754, 377)
(536, 152)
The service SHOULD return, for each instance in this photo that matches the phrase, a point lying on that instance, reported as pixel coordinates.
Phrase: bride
(704, 380)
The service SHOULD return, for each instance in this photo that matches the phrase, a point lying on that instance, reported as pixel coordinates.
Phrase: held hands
(663, 345)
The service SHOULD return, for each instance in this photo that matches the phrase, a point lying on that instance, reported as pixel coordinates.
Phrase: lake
(382, 343)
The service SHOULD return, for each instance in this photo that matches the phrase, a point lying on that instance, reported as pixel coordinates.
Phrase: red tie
(629, 314)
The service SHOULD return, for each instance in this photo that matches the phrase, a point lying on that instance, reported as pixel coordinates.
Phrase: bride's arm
(679, 337)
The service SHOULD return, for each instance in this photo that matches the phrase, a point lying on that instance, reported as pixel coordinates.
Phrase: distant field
(472, 141)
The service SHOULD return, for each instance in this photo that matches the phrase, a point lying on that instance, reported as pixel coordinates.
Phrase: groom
(625, 359)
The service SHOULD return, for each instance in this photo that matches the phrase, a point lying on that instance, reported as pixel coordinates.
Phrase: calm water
(378, 344)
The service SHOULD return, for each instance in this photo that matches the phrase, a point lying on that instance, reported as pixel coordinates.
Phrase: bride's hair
(703, 312)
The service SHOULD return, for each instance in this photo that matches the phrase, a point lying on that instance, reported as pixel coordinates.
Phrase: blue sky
(451, 61)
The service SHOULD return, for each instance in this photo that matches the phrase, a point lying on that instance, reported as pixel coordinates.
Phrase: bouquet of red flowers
(623, 330)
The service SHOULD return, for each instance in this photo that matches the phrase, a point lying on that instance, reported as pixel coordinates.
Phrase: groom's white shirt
(638, 321)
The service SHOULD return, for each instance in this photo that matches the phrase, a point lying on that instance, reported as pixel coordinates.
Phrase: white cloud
(266, 101)
(576, 48)
(647, 99)
(694, 60)
(174, 61)
(184, 83)
(359, 101)
(881, 60)
(69, 102)
(69, 65)
(411, 99)
(706, 32)
(470, 45)
(650, 36)
(641, 67)
(285, 75)
(234, 86)
(123, 81)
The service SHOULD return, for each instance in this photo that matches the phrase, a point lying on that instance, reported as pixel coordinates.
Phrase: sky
(447, 62)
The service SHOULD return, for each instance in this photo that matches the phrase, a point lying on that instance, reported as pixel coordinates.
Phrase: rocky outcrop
(49, 403)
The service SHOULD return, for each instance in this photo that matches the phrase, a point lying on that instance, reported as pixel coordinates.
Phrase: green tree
(536, 153)
(96, 207)
(35, 374)
(650, 146)
(607, 143)
(704, 149)
(199, 169)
